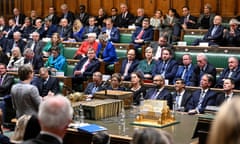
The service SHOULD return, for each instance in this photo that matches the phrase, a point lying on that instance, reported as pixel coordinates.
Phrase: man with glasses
(232, 36)
(36, 44)
(159, 92)
(96, 85)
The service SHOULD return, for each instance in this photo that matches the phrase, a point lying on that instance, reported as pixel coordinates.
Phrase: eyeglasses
(157, 80)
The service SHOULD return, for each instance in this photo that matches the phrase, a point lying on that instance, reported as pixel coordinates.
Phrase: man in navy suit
(203, 97)
(52, 16)
(49, 28)
(31, 58)
(159, 92)
(181, 96)
(12, 27)
(187, 20)
(228, 94)
(46, 84)
(18, 17)
(27, 28)
(67, 14)
(91, 28)
(185, 71)
(15, 42)
(83, 16)
(111, 32)
(167, 66)
(129, 65)
(142, 34)
(214, 36)
(64, 29)
(202, 67)
(96, 85)
(55, 114)
(232, 71)
(85, 68)
(124, 19)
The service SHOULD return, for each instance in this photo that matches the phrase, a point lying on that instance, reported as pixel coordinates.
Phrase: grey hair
(55, 112)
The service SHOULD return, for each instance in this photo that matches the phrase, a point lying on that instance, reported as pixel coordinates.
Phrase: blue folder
(92, 128)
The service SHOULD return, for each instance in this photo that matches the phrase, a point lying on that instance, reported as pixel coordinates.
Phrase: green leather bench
(125, 38)
(191, 38)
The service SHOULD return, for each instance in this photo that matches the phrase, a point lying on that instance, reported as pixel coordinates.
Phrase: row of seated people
(184, 100)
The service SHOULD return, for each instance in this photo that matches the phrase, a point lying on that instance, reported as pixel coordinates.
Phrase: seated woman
(116, 82)
(146, 65)
(137, 87)
(78, 31)
(55, 42)
(16, 60)
(106, 51)
(56, 62)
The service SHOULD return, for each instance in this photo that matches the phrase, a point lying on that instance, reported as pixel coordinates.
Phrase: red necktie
(140, 34)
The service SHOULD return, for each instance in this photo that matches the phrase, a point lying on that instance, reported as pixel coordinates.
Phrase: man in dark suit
(55, 114)
(31, 58)
(67, 14)
(203, 97)
(167, 66)
(15, 42)
(114, 14)
(181, 96)
(185, 70)
(91, 27)
(187, 20)
(231, 36)
(83, 16)
(27, 28)
(52, 16)
(202, 67)
(142, 34)
(85, 68)
(19, 17)
(228, 86)
(111, 32)
(96, 85)
(129, 65)
(35, 44)
(3, 42)
(159, 92)
(139, 18)
(124, 19)
(12, 27)
(159, 46)
(64, 29)
(214, 36)
(232, 71)
(49, 28)
(46, 84)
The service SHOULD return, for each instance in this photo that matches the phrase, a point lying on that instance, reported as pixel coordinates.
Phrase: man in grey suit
(35, 44)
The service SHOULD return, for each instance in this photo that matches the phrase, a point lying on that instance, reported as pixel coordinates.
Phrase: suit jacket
(37, 63)
(91, 68)
(87, 30)
(70, 17)
(55, 19)
(155, 45)
(52, 29)
(188, 74)
(3, 44)
(5, 87)
(221, 98)
(217, 37)
(185, 98)
(163, 95)
(114, 34)
(170, 70)
(147, 35)
(20, 19)
(41, 31)
(232, 40)
(196, 78)
(131, 69)
(84, 18)
(21, 44)
(10, 31)
(235, 76)
(210, 23)
(65, 32)
(38, 48)
(52, 84)
(125, 22)
(108, 53)
(190, 25)
(26, 31)
(43, 139)
(209, 100)
(91, 86)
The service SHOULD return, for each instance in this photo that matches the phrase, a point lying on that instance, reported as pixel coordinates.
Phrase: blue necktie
(201, 100)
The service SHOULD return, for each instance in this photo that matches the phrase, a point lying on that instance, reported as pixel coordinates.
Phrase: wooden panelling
(226, 8)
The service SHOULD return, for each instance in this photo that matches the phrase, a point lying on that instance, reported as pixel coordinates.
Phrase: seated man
(31, 58)
(91, 27)
(203, 97)
(231, 37)
(85, 68)
(202, 67)
(96, 85)
(64, 29)
(214, 36)
(111, 32)
(187, 20)
(228, 94)
(129, 65)
(232, 71)
(35, 44)
(181, 96)
(46, 84)
(185, 71)
(167, 66)
(159, 92)
(142, 34)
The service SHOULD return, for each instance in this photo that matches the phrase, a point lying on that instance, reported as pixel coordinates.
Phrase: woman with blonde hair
(78, 30)
(225, 128)
(16, 59)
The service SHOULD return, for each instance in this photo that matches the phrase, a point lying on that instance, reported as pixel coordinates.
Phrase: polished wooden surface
(182, 133)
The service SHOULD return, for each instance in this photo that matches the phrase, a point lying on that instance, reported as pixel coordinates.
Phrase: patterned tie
(201, 99)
